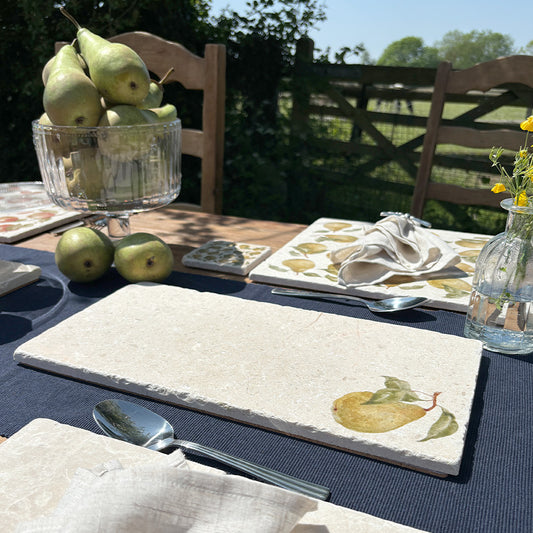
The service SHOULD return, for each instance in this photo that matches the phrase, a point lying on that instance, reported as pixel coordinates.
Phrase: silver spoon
(137, 425)
(389, 305)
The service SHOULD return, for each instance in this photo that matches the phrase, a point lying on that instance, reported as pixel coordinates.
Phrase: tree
(464, 50)
(409, 52)
(527, 50)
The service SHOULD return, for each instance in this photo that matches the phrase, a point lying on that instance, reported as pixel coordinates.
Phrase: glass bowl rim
(37, 126)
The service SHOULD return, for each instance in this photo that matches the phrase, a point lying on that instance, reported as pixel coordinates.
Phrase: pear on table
(117, 71)
(70, 98)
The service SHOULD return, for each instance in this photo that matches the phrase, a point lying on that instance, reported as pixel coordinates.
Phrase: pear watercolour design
(391, 408)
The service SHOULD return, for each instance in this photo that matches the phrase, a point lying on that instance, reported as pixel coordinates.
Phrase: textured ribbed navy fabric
(493, 493)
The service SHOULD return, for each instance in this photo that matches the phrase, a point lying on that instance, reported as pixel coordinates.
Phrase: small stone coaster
(227, 256)
(15, 275)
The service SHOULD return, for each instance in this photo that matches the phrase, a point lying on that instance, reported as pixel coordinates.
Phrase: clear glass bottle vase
(500, 311)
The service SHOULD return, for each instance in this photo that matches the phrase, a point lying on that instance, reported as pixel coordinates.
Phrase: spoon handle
(315, 294)
(260, 472)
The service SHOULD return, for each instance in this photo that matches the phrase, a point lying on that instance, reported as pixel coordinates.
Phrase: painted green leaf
(311, 248)
(386, 396)
(311, 274)
(334, 279)
(446, 425)
(452, 292)
(396, 384)
(279, 269)
(411, 396)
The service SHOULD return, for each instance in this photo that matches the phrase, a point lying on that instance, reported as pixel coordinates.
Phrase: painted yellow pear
(70, 98)
(311, 248)
(351, 412)
(298, 265)
(341, 237)
(337, 226)
(117, 70)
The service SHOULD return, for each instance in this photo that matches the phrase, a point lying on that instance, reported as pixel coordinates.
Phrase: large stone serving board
(449, 289)
(39, 461)
(268, 365)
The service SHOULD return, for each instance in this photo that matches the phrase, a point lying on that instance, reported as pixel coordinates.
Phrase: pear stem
(164, 78)
(70, 17)
(435, 394)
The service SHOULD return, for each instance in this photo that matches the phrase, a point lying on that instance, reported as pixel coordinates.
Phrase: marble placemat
(39, 461)
(305, 262)
(14, 275)
(290, 370)
(26, 210)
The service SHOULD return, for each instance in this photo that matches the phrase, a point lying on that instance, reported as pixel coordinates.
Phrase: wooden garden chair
(513, 78)
(207, 74)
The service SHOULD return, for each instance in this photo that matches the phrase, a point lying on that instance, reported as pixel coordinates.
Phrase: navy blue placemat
(493, 492)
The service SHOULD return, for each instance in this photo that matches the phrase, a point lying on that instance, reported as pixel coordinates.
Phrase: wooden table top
(185, 230)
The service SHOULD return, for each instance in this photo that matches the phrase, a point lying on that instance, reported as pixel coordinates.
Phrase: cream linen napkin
(160, 497)
(394, 245)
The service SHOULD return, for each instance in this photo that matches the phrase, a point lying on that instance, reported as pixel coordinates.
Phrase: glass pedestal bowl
(115, 171)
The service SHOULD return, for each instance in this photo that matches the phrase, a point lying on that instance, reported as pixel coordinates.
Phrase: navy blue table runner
(493, 493)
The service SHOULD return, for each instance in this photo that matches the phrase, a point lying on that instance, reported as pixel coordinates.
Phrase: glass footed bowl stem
(118, 226)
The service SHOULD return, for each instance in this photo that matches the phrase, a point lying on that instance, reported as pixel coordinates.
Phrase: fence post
(301, 92)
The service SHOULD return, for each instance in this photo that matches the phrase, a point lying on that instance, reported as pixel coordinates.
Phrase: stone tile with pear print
(305, 262)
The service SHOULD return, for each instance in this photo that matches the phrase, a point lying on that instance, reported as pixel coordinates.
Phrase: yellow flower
(521, 199)
(499, 187)
(522, 153)
(527, 125)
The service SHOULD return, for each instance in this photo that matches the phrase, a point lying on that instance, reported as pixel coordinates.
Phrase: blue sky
(377, 24)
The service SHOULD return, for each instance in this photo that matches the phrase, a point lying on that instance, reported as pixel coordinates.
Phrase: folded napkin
(394, 245)
(160, 497)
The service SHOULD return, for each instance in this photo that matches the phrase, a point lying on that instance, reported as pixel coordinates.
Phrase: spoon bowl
(389, 305)
(137, 425)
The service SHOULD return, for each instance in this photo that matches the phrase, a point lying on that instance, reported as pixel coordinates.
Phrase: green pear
(48, 67)
(58, 143)
(117, 71)
(84, 254)
(143, 257)
(154, 98)
(166, 113)
(126, 143)
(46, 70)
(70, 98)
(85, 173)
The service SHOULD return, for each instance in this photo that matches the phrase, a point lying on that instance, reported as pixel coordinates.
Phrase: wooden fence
(359, 153)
